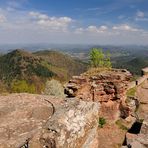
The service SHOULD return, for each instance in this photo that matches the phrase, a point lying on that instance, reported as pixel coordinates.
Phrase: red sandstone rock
(100, 87)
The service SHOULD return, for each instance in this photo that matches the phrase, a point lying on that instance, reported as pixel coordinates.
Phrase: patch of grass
(22, 86)
(141, 120)
(94, 71)
(131, 92)
(121, 126)
(101, 121)
(119, 145)
(134, 78)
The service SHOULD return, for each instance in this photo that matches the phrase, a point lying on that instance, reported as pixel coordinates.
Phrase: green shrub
(2, 87)
(55, 88)
(101, 122)
(131, 92)
(22, 86)
(99, 59)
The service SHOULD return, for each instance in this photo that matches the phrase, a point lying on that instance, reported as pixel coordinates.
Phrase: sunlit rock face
(21, 115)
(107, 87)
(73, 125)
(38, 121)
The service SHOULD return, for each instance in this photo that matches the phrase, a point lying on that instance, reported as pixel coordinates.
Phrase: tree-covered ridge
(59, 59)
(19, 64)
(22, 71)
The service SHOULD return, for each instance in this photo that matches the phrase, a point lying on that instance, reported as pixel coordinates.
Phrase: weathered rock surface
(140, 140)
(107, 87)
(21, 115)
(73, 125)
(38, 121)
(101, 87)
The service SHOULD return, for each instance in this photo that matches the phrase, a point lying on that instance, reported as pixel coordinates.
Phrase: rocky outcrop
(107, 87)
(38, 121)
(99, 87)
(21, 115)
(73, 125)
(137, 136)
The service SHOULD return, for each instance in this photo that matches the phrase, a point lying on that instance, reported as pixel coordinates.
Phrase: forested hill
(66, 62)
(30, 71)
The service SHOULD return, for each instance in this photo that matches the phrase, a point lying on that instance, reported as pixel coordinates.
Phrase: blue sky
(74, 21)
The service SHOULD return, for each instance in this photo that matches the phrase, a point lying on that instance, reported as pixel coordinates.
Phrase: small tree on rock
(99, 59)
(96, 57)
(107, 62)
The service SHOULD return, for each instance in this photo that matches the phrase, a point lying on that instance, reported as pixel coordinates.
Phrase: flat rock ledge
(38, 121)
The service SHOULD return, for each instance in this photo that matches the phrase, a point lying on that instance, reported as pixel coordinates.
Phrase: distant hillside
(24, 71)
(58, 59)
(134, 64)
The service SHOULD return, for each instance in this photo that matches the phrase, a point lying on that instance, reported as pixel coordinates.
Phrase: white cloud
(116, 29)
(38, 15)
(2, 18)
(24, 26)
(92, 29)
(79, 30)
(124, 27)
(117, 34)
(53, 23)
(95, 29)
(103, 28)
(140, 14)
(14, 4)
(121, 17)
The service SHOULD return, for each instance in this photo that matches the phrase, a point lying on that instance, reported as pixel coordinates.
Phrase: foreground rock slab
(38, 121)
(21, 115)
(74, 125)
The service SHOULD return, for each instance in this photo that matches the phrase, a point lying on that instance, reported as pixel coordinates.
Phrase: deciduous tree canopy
(99, 59)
